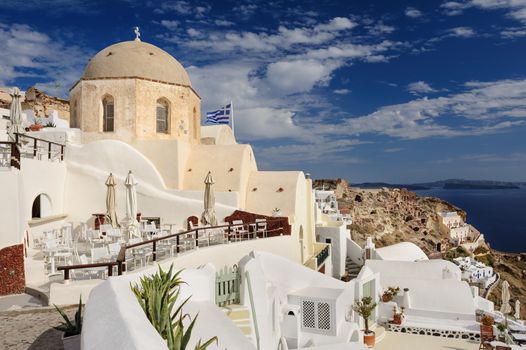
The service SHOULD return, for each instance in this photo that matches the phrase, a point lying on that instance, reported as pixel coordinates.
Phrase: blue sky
(365, 90)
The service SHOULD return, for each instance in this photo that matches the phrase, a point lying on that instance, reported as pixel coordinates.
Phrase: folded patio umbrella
(111, 215)
(15, 112)
(505, 308)
(209, 215)
(131, 206)
(517, 309)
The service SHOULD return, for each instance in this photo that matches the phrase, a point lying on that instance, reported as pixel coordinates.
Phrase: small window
(162, 116)
(108, 115)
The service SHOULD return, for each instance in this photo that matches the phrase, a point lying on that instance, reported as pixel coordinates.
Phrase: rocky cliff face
(38, 101)
(397, 215)
(394, 215)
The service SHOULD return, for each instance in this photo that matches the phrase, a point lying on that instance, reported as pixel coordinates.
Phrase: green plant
(157, 294)
(50, 125)
(68, 327)
(364, 308)
(501, 327)
(393, 291)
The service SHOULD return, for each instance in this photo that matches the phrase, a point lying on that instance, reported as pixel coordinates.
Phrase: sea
(499, 214)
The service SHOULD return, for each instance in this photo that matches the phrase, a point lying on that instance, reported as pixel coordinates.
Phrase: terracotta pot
(387, 298)
(71, 342)
(369, 339)
(35, 127)
(397, 319)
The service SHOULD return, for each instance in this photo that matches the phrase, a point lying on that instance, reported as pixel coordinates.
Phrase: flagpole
(232, 116)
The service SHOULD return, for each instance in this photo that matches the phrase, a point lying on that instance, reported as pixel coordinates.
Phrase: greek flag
(220, 116)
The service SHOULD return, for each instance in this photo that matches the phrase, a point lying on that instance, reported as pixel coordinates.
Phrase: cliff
(394, 215)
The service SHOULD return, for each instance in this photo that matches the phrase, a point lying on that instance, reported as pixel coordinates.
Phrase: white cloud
(516, 9)
(413, 12)
(485, 108)
(223, 23)
(336, 24)
(28, 53)
(193, 32)
(264, 42)
(512, 33)
(342, 91)
(420, 88)
(461, 32)
(298, 75)
(171, 25)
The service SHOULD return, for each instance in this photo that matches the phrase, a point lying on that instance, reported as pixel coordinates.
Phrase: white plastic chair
(114, 249)
(99, 254)
(261, 227)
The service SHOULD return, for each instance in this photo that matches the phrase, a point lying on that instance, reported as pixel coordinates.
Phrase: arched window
(108, 119)
(162, 115)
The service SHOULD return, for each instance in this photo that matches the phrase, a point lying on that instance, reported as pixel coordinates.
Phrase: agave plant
(157, 294)
(69, 328)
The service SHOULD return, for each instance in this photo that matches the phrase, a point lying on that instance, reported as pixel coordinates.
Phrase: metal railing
(229, 231)
(28, 147)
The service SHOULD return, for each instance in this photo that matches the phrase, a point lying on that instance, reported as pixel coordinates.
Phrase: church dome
(136, 59)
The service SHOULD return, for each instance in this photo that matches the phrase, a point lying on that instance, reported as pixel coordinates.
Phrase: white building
(474, 271)
(459, 232)
(328, 204)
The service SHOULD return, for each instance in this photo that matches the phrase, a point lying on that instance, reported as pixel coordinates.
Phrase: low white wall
(114, 319)
(219, 256)
(354, 252)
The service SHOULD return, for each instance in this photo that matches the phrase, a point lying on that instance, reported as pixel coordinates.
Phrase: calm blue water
(499, 214)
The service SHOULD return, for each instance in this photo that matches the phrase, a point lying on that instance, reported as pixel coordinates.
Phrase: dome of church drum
(136, 59)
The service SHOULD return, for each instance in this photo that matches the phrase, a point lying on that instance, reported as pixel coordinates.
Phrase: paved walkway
(402, 341)
(32, 329)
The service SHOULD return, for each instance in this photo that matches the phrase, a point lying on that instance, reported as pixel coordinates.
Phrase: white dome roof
(136, 59)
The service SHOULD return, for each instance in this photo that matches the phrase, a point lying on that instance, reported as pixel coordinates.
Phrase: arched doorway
(41, 206)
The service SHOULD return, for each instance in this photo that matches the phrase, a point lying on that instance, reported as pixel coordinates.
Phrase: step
(236, 312)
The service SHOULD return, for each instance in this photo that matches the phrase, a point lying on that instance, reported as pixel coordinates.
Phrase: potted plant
(397, 316)
(71, 336)
(486, 324)
(36, 126)
(502, 331)
(365, 308)
(390, 293)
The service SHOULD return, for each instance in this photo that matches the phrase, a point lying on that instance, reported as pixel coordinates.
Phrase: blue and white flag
(220, 116)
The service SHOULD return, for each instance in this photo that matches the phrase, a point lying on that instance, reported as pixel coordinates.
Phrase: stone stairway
(352, 268)
(240, 315)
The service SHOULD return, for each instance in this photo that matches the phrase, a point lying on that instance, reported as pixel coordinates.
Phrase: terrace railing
(29, 147)
(280, 227)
